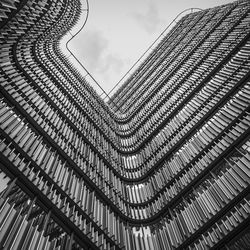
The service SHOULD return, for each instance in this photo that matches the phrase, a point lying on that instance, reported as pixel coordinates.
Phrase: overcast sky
(119, 31)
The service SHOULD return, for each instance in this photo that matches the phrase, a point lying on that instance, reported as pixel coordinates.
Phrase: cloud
(111, 63)
(93, 50)
(149, 20)
(110, 70)
(91, 47)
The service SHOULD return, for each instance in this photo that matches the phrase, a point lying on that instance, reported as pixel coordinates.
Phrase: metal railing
(150, 49)
(74, 56)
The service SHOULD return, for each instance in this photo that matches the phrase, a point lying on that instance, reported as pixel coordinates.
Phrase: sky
(118, 32)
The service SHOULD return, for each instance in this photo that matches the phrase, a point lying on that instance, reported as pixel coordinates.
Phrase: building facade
(164, 165)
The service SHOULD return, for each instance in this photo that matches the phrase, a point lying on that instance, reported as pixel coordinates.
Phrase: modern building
(164, 165)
